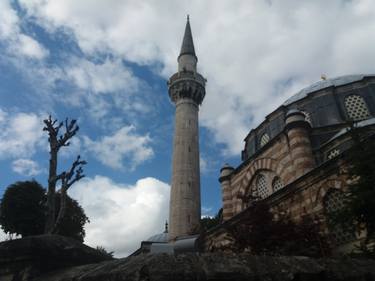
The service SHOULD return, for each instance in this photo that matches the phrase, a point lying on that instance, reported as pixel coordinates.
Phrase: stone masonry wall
(288, 156)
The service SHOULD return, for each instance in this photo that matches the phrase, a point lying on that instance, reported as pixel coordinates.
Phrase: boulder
(35, 255)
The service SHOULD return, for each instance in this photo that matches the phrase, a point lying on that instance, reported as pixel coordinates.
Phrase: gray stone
(163, 267)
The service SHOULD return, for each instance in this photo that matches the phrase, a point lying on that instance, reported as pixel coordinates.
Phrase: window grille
(262, 186)
(356, 107)
(333, 153)
(334, 201)
(277, 184)
(264, 139)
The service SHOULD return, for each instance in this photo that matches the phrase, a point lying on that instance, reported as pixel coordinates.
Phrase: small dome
(227, 166)
(159, 238)
(225, 171)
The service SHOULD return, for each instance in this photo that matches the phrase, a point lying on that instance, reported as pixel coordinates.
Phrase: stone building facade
(294, 159)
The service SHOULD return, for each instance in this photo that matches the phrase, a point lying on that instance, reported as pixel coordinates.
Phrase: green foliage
(72, 224)
(22, 209)
(23, 212)
(358, 213)
(104, 252)
(210, 222)
(260, 233)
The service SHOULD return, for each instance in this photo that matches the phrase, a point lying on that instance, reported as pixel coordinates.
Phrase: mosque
(293, 160)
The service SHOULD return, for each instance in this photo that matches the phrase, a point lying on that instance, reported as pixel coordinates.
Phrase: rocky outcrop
(164, 267)
(56, 258)
(23, 259)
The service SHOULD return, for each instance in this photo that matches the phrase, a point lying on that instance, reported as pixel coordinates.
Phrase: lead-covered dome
(159, 238)
(326, 83)
(328, 106)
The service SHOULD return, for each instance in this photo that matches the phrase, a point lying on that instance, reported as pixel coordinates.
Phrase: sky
(105, 63)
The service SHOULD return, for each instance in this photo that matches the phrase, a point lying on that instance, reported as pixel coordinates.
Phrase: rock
(56, 258)
(32, 256)
(186, 267)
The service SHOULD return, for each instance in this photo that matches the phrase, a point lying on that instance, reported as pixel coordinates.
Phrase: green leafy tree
(23, 212)
(74, 220)
(22, 209)
(104, 252)
(358, 212)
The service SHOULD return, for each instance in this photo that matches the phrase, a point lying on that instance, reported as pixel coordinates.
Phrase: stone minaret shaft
(186, 90)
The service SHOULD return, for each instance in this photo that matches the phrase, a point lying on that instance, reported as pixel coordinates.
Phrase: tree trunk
(62, 211)
(51, 201)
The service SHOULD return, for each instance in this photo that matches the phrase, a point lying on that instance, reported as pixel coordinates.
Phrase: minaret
(186, 90)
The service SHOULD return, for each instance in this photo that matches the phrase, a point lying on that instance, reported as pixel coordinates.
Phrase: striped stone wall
(304, 196)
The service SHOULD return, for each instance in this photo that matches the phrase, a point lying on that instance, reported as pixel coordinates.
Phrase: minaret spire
(187, 47)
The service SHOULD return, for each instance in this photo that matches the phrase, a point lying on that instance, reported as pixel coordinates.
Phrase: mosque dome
(326, 83)
(328, 105)
(159, 238)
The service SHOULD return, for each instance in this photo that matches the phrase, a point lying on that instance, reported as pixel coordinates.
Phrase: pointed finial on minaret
(187, 47)
(166, 227)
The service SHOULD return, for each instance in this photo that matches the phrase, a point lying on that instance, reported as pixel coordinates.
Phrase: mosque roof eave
(359, 124)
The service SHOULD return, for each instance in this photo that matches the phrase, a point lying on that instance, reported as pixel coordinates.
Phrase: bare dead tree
(67, 178)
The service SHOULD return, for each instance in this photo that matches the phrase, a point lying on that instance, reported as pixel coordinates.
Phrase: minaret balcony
(187, 84)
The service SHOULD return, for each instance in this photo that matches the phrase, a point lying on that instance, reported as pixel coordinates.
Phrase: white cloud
(207, 164)
(206, 212)
(8, 20)
(6, 237)
(30, 47)
(18, 42)
(123, 146)
(254, 53)
(102, 86)
(20, 135)
(26, 167)
(3, 236)
(109, 76)
(73, 149)
(203, 165)
(121, 216)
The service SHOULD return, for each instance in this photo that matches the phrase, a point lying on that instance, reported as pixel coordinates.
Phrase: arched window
(356, 107)
(334, 201)
(261, 184)
(264, 139)
(277, 184)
